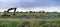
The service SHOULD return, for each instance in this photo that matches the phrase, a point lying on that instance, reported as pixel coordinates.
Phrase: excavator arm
(6, 13)
(12, 9)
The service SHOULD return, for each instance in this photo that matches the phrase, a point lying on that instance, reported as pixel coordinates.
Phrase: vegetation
(29, 22)
(33, 15)
(31, 19)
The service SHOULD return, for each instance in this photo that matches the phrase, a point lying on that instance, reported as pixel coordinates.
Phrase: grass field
(23, 22)
(31, 20)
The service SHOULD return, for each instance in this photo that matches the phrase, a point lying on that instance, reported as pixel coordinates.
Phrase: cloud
(28, 3)
(39, 3)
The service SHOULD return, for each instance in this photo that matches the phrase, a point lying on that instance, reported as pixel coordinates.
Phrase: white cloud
(47, 9)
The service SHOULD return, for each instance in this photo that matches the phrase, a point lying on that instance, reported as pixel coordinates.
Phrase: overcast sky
(34, 5)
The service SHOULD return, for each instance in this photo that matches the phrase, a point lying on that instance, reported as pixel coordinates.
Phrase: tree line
(36, 12)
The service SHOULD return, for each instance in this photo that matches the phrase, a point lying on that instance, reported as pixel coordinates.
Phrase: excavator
(7, 13)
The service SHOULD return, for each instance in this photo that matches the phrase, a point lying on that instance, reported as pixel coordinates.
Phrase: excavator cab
(7, 13)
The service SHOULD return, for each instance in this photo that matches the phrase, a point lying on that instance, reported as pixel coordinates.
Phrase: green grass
(24, 22)
(33, 15)
(11, 21)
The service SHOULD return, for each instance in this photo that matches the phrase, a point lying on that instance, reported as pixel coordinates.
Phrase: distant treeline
(37, 12)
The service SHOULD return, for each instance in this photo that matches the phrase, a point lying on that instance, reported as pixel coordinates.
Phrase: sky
(31, 5)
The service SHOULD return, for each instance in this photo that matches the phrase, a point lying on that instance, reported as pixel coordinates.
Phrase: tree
(43, 11)
(30, 12)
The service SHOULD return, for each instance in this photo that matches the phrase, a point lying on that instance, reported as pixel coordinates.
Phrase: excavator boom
(11, 9)
(6, 12)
